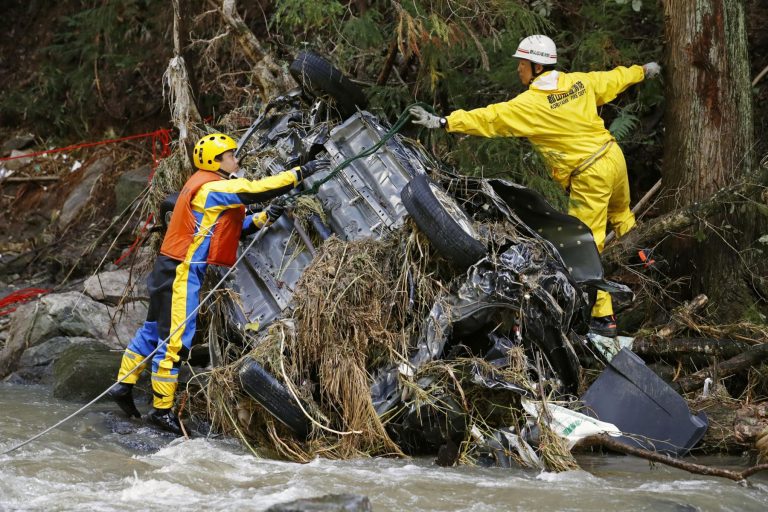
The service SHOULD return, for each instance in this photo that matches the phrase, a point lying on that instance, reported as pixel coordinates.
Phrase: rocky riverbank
(72, 336)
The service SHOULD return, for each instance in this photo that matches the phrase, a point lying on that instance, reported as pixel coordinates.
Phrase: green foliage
(624, 124)
(450, 54)
(302, 16)
(753, 315)
(91, 53)
(506, 158)
(364, 31)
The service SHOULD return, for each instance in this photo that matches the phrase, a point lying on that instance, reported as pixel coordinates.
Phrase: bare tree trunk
(271, 77)
(708, 146)
(184, 112)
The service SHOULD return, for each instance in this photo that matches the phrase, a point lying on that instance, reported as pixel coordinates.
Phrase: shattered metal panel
(571, 237)
(522, 281)
(266, 277)
(363, 199)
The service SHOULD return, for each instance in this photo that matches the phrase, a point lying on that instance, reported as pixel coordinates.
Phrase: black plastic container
(644, 407)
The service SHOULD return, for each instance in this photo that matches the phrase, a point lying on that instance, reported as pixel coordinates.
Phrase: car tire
(272, 395)
(317, 76)
(166, 209)
(444, 223)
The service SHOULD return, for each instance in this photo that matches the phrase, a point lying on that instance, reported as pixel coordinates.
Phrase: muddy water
(93, 464)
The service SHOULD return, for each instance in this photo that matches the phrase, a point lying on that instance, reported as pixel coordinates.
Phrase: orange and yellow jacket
(558, 114)
(208, 217)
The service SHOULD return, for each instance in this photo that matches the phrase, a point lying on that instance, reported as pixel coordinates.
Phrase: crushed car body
(532, 291)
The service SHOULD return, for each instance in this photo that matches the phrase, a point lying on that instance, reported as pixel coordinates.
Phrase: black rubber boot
(166, 420)
(122, 394)
(603, 325)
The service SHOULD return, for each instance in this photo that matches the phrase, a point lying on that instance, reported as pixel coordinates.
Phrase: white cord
(163, 342)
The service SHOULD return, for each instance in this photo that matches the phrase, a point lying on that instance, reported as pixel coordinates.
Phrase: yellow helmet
(209, 147)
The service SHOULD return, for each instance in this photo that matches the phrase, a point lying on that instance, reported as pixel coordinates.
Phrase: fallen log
(734, 428)
(25, 179)
(680, 314)
(673, 222)
(751, 357)
(605, 441)
(654, 346)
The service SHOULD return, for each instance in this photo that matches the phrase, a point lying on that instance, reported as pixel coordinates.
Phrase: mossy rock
(82, 372)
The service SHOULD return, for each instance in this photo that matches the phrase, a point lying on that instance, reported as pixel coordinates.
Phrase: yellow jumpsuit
(558, 114)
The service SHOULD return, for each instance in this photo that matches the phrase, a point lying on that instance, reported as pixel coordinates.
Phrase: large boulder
(130, 185)
(83, 371)
(126, 319)
(116, 285)
(70, 314)
(36, 363)
(80, 196)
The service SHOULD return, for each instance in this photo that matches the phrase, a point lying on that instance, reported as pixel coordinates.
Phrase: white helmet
(539, 49)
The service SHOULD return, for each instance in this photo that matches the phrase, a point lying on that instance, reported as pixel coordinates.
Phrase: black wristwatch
(443, 122)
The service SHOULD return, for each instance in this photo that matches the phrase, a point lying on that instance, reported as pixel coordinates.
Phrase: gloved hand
(311, 167)
(651, 70)
(424, 118)
(258, 220)
(274, 211)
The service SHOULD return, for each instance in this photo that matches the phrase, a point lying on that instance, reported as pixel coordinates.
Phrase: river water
(86, 465)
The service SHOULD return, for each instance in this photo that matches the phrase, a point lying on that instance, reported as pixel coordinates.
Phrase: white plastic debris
(524, 450)
(75, 166)
(570, 425)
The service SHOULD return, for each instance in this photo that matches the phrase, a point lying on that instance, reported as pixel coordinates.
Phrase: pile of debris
(411, 310)
(399, 308)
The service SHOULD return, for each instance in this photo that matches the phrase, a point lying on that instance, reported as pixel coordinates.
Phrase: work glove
(651, 70)
(273, 212)
(311, 167)
(424, 118)
(263, 218)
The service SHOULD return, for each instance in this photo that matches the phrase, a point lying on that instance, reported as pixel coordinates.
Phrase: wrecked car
(531, 288)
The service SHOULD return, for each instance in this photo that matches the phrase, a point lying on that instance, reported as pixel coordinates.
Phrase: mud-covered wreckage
(532, 292)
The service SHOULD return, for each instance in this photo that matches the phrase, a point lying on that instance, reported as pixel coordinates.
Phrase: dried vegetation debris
(359, 307)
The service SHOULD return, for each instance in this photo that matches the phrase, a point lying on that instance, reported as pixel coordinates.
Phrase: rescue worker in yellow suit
(558, 114)
(205, 228)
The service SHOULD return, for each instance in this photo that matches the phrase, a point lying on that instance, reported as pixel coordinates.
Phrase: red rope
(161, 148)
(163, 139)
(163, 135)
(19, 296)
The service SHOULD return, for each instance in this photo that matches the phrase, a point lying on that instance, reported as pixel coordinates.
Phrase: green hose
(401, 121)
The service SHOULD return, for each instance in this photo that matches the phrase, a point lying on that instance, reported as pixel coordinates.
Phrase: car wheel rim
(456, 213)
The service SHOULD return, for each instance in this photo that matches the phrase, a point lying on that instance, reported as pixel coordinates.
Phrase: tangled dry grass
(359, 306)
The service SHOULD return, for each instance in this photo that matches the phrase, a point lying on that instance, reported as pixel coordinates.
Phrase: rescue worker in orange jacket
(205, 228)
(558, 114)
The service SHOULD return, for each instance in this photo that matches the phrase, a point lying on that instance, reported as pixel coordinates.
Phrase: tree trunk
(270, 77)
(708, 146)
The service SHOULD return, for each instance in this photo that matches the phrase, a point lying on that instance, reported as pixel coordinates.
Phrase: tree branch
(751, 357)
(655, 346)
(612, 444)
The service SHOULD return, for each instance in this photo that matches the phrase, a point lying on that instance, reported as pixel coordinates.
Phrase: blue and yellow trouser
(600, 195)
(174, 292)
